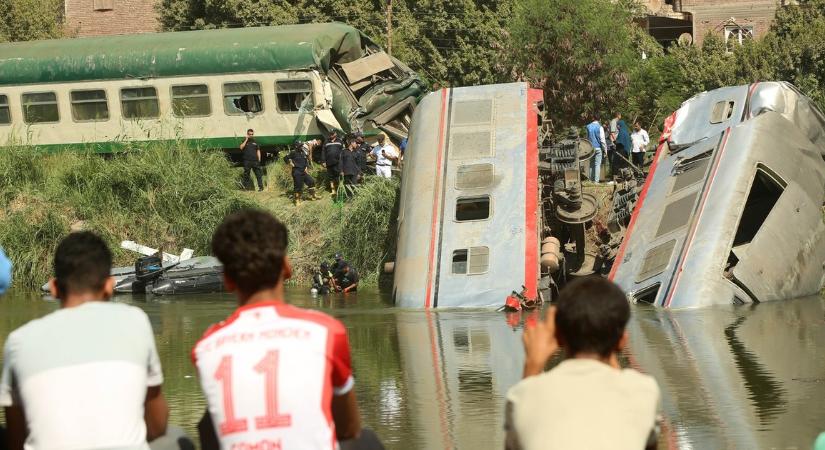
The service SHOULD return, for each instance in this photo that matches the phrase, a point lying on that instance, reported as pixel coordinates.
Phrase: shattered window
(139, 103)
(737, 35)
(5, 112)
(460, 262)
(242, 98)
(293, 95)
(472, 261)
(90, 105)
(40, 107)
(191, 100)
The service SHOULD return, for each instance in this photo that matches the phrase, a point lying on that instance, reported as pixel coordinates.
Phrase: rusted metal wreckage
(730, 211)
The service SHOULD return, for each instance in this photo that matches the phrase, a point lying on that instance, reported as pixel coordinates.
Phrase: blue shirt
(5, 272)
(595, 134)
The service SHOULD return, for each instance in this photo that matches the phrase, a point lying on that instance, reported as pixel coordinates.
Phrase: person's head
(333, 136)
(324, 267)
(637, 127)
(591, 315)
(359, 139)
(251, 245)
(381, 139)
(250, 133)
(82, 267)
(618, 115)
(346, 268)
(339, 257)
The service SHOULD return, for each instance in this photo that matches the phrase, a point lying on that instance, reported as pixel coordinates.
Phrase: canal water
(734, 377)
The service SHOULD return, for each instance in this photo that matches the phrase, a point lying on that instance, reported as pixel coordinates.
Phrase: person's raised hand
(539, 343)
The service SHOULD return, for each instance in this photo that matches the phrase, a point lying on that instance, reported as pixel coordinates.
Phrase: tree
(26, 20)
(581, 53)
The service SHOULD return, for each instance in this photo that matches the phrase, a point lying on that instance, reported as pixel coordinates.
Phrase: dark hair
(250, 130)
(591, 315)
(251, 245)
(82, 263)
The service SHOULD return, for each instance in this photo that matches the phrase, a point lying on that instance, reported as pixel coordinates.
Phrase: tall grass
(172, 196)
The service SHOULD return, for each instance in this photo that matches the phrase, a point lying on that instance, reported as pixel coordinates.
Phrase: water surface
(731, 377)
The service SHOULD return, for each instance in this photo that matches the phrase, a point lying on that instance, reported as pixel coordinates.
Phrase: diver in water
(322, 280)
(349, 280)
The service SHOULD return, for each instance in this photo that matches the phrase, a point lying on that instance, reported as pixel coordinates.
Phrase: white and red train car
(469, 220)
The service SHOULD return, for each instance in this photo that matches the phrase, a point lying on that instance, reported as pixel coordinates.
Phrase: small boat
(202, 274)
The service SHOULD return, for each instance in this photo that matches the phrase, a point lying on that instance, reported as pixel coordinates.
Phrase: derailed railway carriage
(468, 228)
(731, 211)
(207, 86)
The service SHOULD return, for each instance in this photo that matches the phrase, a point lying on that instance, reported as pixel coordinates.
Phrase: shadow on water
(737, 377)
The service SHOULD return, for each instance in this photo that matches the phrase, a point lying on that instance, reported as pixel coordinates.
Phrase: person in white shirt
(87, 375)
(385, 155)
(640, 141)
(587, 401)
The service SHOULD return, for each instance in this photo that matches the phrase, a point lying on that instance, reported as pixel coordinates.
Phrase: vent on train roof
(656, 260)
(473, 112)
(691, 171)
(474, 176)
(677, 214)
(471, 144)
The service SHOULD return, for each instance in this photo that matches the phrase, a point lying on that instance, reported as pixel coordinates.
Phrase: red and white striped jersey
(269, 372)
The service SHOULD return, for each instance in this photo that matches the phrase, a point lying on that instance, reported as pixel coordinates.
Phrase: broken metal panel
(695, 119)
(366, 67)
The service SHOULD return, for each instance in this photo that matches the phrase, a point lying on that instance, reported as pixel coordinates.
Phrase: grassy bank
(173, 197)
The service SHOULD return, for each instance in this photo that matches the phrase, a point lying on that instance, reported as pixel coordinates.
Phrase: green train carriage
(205, 87)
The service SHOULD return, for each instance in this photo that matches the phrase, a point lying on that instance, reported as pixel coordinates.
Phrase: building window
(242, 98)
(737, 35)
(103, 5)
(472, 208)
(471, 261)
(139, 103)
(90, 106)
(191, 101)
(5, 111)
(40, 107)
(293, 95)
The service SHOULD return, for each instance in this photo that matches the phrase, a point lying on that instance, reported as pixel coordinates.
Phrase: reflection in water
(766, 392)
(738, 377)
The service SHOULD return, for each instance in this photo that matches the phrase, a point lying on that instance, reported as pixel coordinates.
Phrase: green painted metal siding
(235, 50)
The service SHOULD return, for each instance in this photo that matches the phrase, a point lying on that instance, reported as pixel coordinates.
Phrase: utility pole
(389, 27)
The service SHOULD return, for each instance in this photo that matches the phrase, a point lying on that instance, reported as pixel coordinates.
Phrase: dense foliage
(26, 20)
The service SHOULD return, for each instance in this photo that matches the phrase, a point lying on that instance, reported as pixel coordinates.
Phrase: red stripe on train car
(665, 136)
(531, 199)
(436, 190)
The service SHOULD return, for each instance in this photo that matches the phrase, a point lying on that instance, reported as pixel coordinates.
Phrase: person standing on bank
(640, 141)
(595, 134)
(252, 160)
(349, 164)
(385, 154)
(298, 159)
(331, 157)
(361, 153)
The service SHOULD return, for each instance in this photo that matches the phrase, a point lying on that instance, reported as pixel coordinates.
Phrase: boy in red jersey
(275, 376)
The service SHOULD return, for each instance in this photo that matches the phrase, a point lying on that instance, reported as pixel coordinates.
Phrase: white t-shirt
(640, 139)
(583, 404)
(389, 149)
(81, 375)
(269, 372)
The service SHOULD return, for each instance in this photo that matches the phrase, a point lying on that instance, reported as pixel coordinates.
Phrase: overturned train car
(731, 211)
(468, 227)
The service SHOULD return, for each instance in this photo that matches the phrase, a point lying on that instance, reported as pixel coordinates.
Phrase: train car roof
(202, 52)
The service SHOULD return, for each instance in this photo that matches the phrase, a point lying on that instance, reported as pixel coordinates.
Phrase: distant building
(690, 20)
(105, 17)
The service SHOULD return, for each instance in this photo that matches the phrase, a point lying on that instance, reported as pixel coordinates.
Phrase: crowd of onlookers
(277, 376)
(619, 145)
(345, 162)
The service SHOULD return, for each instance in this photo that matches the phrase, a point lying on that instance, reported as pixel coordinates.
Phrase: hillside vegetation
(172, 197)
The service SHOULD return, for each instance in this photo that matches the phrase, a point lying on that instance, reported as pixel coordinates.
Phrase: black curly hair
(251, 245)
(82, 262)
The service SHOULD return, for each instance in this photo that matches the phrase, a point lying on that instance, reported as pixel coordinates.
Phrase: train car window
(479, 261)
(242, 98)
(460, 262)
(5, 112)
(139, 103)
(191, 101)
(472, 208)
(90, 106)
(40, 107)
(293, 95)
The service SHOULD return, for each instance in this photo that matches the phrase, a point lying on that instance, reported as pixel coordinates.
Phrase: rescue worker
(322, 280)
(298, 159)
(361, 154)
(337, 269)
(349, 281)
(385, 154)
(331, 156)
(349, 164)
(251, 160)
